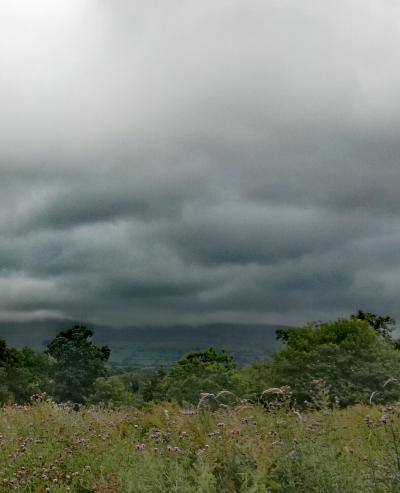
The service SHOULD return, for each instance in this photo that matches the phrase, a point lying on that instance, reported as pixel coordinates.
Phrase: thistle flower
(173, 449)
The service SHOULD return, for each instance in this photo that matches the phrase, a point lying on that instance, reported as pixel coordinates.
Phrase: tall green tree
(78, 362)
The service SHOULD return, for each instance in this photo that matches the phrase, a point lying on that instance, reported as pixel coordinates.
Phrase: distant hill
(152, 346)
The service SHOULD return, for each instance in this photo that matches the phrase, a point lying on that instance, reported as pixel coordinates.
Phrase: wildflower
(170, 448)
(221, 424)
(187, 412)
(140, 447)
(368, 420)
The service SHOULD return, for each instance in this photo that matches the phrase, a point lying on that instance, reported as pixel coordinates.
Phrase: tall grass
(248, 448)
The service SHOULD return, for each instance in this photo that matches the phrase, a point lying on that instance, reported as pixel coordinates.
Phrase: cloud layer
(192, 162)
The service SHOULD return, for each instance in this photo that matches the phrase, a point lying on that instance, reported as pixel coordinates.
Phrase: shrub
(198, 372)
(348, 355)
(111, 391)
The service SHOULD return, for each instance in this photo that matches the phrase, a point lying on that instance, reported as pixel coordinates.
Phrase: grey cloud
(198, 162)
(242, 232)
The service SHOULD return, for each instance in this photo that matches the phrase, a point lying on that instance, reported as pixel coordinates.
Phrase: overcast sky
(195, 161)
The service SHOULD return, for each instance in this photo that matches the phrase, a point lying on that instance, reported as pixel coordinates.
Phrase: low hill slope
(145, 347)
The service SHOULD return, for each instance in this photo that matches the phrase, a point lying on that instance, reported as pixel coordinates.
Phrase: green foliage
(22, 373)
(255, 379)
(5, 393)
(342, 362)
(145, 385)
(29, 376)
(206, 371)
(78, 362)
(349, 356)
(111, 391)
(9, 366)
(132, 387)
(383, 325)
(150, 386)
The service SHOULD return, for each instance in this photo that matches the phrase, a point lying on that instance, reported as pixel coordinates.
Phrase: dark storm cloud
(228, 161)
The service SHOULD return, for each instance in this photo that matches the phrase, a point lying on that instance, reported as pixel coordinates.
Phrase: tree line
(335, 363)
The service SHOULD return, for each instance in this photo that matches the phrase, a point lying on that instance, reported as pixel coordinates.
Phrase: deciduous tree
(78, 362)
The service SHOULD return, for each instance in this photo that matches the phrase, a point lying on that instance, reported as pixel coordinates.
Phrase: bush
(22, 373)
(349, 356)
(111, 391)
(198, 372)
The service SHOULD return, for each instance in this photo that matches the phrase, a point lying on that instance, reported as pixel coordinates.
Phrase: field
(54, 448)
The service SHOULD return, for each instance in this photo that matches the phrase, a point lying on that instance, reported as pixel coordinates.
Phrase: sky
(193, 162)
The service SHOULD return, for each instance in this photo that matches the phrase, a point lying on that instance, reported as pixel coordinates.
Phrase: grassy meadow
(48, 447)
